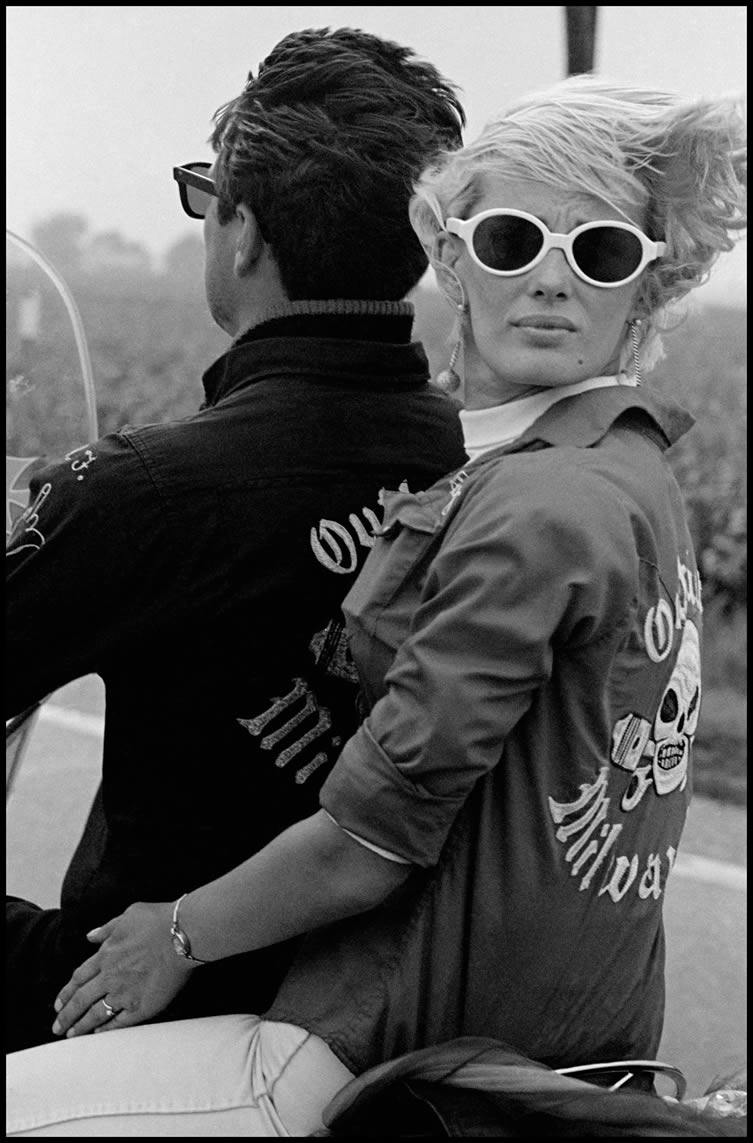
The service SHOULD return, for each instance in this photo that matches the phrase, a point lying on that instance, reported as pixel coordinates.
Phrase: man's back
(199, 567)
(208, 559)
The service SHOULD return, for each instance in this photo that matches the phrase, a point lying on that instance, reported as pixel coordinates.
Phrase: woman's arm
(309, 876)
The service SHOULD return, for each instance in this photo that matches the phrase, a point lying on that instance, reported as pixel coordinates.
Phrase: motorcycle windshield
(50, 402)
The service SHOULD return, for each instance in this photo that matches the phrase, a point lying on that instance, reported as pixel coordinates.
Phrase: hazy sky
(102, 101)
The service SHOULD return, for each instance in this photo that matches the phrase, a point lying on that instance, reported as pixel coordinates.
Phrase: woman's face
(509, 348)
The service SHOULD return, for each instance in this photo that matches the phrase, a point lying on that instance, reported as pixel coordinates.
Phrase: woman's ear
(250, 245)
(446, 249)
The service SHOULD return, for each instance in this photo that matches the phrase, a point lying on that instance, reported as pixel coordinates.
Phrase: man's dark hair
(324, 146)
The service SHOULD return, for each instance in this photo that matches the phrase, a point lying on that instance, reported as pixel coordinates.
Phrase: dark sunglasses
(196, 188)
(508, 242)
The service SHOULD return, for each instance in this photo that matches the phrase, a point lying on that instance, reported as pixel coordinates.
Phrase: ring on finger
(108, 1008)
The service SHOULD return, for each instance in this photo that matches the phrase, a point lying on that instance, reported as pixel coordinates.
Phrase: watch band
(181, 943)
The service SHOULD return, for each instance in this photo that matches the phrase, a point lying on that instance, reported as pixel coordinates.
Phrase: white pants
(223, 1075)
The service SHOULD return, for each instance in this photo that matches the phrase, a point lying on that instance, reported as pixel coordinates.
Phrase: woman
(493, 846)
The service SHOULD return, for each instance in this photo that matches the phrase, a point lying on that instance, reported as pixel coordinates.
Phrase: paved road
(705, 1028)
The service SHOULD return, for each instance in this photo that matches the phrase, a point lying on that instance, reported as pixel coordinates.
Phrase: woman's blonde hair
(681, 159)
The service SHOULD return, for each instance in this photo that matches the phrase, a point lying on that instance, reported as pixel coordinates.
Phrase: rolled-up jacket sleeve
(520, 571)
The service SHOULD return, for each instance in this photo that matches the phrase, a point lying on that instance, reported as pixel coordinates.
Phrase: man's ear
(250, 241)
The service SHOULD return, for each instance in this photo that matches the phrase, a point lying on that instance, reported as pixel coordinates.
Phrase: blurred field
(151, 338)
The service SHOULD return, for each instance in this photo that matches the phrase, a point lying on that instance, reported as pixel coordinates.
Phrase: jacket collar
(583, 419)
(579, 421)
(366, 349)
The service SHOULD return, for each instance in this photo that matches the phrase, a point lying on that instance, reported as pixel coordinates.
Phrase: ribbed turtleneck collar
(310, 317)
(303, 337)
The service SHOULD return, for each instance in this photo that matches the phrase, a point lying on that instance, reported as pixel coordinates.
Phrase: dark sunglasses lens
(196, 200)
(504, 242)
(607, 254)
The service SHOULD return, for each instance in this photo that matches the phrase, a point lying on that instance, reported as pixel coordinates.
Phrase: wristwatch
(181, 943)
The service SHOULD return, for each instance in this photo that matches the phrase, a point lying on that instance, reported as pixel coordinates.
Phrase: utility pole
(580, 25)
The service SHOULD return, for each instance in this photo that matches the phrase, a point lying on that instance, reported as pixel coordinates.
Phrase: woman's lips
(541, 321)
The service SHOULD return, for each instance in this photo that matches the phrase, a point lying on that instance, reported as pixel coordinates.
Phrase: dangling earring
(635, 341)
(448, 379)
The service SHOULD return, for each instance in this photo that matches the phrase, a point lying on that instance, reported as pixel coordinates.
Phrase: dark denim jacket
(196, 566)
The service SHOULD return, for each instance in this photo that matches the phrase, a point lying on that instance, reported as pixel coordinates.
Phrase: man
(198, 566)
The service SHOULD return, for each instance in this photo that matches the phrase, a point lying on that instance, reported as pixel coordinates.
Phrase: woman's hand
(133, 976)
